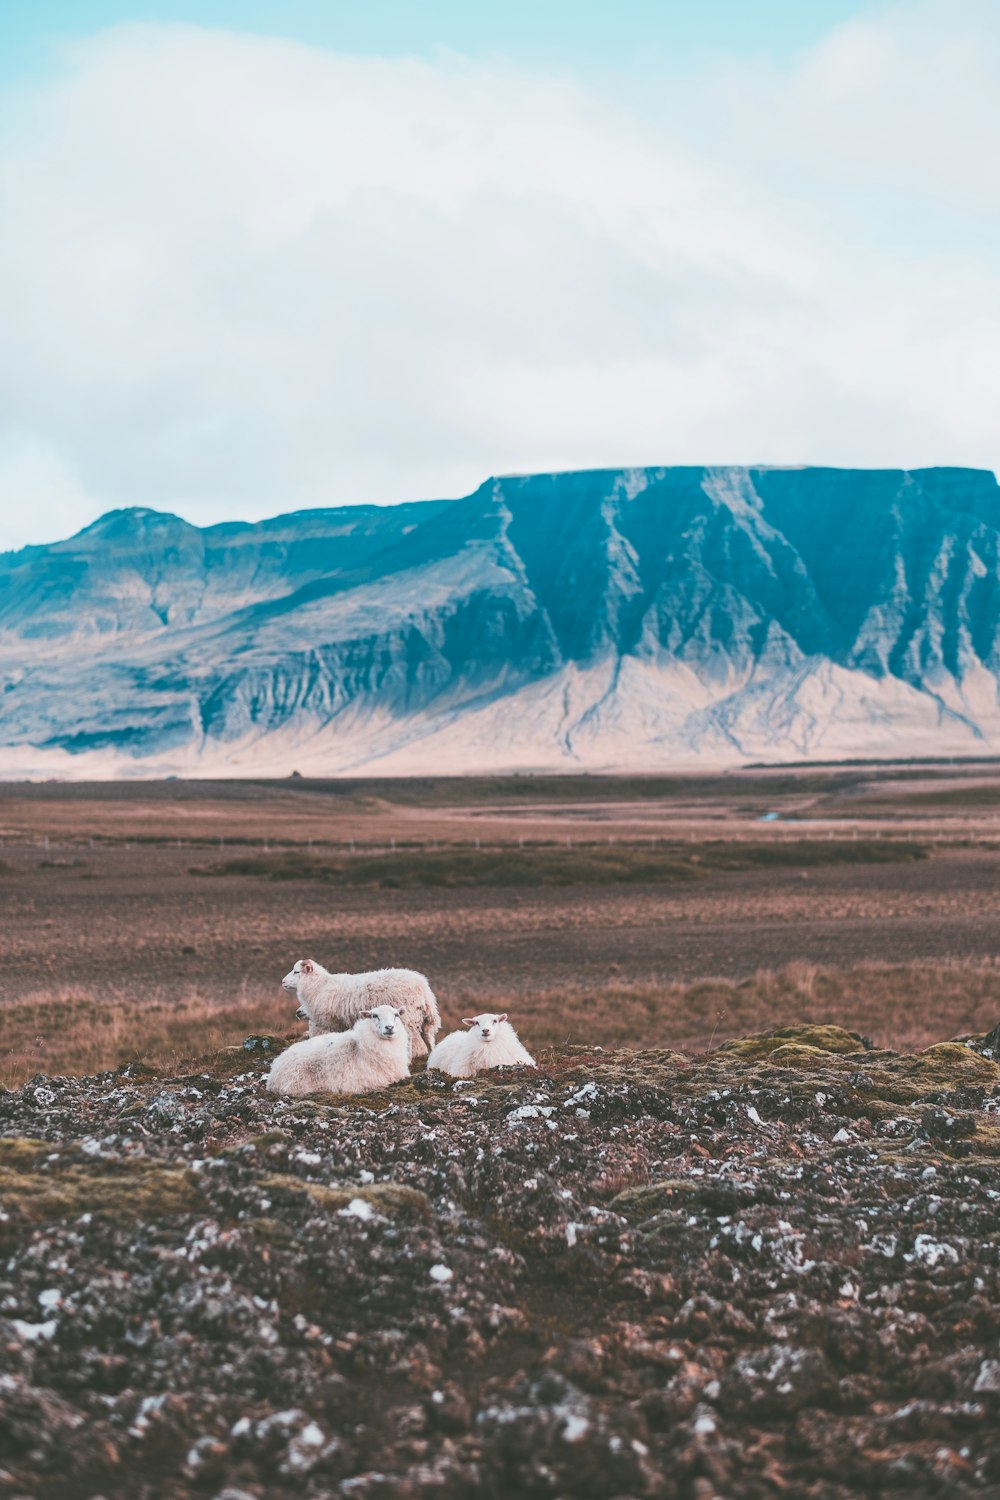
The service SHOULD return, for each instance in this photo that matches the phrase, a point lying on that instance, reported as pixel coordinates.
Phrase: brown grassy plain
(155, 920)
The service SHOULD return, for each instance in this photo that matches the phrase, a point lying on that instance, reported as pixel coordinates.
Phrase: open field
(769, 1268)
(157, 919)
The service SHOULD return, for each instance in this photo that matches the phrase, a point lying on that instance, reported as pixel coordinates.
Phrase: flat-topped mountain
(616, 619)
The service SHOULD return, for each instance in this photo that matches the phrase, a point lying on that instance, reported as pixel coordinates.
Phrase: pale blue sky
(584, 34)
(257, 256)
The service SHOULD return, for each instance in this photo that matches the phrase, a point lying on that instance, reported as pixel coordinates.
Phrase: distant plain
(154, 920)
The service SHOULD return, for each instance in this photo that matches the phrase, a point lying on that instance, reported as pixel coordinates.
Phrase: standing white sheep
(333, 1002)
(373, 1054)
(490, 1042)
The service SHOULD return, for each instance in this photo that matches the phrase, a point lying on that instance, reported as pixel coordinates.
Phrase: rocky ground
(771, 1270)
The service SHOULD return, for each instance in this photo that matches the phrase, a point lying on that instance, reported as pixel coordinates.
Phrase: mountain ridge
(603, 619)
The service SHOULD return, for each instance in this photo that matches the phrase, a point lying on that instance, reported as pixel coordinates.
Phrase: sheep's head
(487, 1025)
(301, 970)
(386, 1020)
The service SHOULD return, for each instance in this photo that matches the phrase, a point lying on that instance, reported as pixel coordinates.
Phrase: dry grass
(75, 1030)
(903, 1006)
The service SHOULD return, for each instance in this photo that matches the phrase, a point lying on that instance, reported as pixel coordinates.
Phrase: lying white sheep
(373, 1054)
(490, 1042)
(333, 1002)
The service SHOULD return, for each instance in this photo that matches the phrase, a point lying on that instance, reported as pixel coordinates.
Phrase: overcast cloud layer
(239, 276)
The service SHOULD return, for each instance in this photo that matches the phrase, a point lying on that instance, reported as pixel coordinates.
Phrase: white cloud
(239, 275)
(902, 100)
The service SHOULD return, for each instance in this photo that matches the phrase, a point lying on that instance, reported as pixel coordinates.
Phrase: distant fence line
(977, 832)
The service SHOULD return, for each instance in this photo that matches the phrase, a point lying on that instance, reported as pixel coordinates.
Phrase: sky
(259, 257)
(562, 34)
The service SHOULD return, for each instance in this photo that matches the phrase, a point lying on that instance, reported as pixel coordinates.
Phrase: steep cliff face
(628, 618)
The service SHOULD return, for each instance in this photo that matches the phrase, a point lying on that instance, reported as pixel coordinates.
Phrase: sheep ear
(306, 966)
(468, 1020)
(397, 1010)
(502, 1018)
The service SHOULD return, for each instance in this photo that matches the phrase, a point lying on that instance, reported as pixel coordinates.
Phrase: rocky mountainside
(769, 1270)
(634, 619)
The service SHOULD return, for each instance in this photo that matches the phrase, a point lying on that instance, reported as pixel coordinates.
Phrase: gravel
(769, 1270)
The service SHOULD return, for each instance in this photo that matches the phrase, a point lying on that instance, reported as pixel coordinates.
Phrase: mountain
(632, 619)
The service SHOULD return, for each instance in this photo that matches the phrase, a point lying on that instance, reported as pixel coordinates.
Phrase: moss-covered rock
(819, 1038)
(951, 1062)
(797, 1055)
(639, 1203)
(394, 1200)
(39, 1185)
(986, 1141)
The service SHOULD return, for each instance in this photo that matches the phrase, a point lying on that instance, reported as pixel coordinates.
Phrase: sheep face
(486, 1026)
(300, 970)
(387, 1021)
